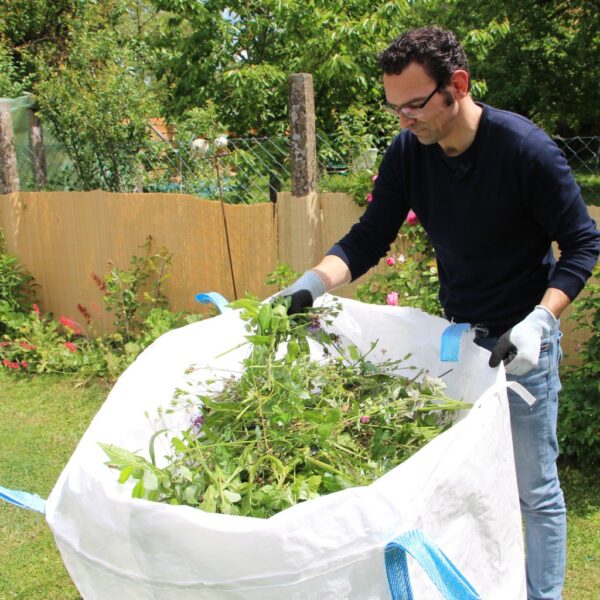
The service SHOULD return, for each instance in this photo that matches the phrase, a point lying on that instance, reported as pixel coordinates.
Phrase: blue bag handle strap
(23, 500)
(450, 350)
(215, 298)
(446, 577)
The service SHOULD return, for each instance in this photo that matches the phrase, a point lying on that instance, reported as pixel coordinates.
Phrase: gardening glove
(303, 292)
(519, 347)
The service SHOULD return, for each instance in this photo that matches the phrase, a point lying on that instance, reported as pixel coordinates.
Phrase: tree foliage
(547, 66)
(240, 54)
(100, 68)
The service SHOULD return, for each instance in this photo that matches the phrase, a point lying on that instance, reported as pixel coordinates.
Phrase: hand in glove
(303, 292)
(519, 347)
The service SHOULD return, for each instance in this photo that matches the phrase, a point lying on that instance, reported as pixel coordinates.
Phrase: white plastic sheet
(460, 490)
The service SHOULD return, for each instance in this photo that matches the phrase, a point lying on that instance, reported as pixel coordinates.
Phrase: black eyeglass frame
(411, 112)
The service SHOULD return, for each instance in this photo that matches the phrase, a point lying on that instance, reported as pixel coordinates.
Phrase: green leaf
(265, 316)
(354, 353)
(138, 490)
(150, 480)
(125, 473)
(233, 497)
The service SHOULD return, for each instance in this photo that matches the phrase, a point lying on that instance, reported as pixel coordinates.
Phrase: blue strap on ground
(446, 577)
(215, 298)
(23, 500)
(450, 351)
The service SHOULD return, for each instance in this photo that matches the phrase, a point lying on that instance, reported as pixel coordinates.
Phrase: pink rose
(412, 218)
(390, 261)
(392, 299)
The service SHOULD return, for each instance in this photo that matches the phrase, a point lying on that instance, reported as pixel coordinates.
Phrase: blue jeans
(536, 450)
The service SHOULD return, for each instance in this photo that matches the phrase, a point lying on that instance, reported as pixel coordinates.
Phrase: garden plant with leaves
(579, 406)
(411, 278)
(290, 427)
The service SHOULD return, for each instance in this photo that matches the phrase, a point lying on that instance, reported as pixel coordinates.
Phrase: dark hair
(437, 50)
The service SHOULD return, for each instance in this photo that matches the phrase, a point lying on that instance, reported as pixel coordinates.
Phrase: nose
(405, 121)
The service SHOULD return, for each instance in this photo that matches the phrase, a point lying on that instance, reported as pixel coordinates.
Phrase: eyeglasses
(411, 112)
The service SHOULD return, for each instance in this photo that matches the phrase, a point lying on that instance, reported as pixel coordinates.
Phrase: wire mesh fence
(242, 170)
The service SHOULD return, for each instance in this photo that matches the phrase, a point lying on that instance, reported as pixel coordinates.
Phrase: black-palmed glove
(303, 292)
(519, 347)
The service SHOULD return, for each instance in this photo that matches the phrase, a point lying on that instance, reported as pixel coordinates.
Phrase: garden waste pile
(256, 455)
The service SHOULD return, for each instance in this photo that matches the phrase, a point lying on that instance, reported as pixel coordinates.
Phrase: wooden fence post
(9, 176)
(299, 220)
(38, 153)
(303, 153)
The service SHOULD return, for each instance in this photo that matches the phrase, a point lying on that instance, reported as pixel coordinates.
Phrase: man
(492, 191)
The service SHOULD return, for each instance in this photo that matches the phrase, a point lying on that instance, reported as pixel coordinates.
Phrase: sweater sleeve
(555, 201)
(371, 237)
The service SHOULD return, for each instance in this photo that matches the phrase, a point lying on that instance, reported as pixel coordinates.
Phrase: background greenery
(99, 70)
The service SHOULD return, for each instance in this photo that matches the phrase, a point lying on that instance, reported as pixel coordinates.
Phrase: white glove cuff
(544, 317)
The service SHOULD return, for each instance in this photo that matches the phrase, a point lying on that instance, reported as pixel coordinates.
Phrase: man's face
(410, 89)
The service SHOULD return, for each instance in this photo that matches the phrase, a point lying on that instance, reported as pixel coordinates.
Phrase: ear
(460, 83)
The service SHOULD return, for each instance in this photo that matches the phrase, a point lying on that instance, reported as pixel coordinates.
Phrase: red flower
(4, 344)
(101, 285)
(36, 310)
(27, 346)
(24, 364)
(70, 346)
(411, 218)
(369, 198)
(85, 313)
(69, 324)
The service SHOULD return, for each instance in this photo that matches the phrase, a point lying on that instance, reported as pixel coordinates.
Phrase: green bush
(16, 287)
(579, 406)
(32, 342)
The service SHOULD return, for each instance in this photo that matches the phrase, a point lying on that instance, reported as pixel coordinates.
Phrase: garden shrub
(17, 288)
(33, 342)
(411, 278)
(579, 405)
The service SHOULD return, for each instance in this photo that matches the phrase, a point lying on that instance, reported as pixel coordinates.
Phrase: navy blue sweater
(491, 214)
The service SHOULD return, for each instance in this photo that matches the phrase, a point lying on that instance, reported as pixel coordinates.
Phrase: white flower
(221, 144)
(200, 147)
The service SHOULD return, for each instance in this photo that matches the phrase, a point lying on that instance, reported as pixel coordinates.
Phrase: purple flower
(315, 324)
(197, 423)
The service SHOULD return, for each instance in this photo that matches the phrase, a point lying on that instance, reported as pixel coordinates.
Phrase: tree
(99, 106)
(239, 55)
(547, 66)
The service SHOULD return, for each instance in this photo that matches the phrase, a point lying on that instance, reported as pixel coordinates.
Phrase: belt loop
(481, 330)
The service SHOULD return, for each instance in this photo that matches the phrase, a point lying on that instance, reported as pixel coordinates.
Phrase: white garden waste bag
(459, 491)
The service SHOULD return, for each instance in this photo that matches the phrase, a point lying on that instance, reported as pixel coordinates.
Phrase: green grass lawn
(41, 420)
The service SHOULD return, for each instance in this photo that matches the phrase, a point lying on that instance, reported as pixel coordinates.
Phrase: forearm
(555, 301)
(333, 271)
